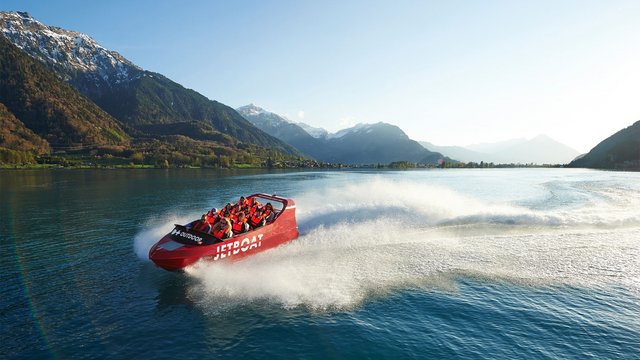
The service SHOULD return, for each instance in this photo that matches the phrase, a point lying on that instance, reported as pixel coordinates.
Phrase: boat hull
(173, 252)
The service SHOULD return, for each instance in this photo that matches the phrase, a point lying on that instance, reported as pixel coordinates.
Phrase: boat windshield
(277, 204)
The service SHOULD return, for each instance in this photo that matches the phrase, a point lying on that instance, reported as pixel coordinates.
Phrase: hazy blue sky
(449, 72)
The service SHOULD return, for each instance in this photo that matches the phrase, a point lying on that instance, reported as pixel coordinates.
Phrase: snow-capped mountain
(262, 116)
(266, 119)
(146, 101)
(316, 132)
(253, 110)
(279, 127)
(361, 144)
(359, 128)
(74, 56)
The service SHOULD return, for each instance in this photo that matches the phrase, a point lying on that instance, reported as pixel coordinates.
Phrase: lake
(483, 263)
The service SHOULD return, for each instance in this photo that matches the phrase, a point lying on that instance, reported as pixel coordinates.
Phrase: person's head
(214, 211)
(203, 217)
(268, 206)
(241, 215)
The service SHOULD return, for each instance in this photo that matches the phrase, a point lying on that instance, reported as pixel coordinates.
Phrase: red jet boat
(184, 246)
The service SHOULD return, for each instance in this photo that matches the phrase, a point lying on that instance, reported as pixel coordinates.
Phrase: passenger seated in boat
(225, 212)
(233, 214)
(268, 213)
(253, 205)
(202, 225)
(240, 225)
(213, 216)
(228, 208)
(222, 229)
(237, 209)
(257, 219)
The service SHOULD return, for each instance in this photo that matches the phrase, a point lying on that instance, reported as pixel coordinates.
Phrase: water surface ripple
(515, 263)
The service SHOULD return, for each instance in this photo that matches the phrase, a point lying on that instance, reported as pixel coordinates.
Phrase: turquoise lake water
(495, 263)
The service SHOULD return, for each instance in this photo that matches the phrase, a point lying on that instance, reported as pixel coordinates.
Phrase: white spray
(368, 239)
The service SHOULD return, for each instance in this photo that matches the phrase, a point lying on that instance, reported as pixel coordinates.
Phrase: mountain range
(361, 144)
(538, 150)
(145, 104)
(62, 92)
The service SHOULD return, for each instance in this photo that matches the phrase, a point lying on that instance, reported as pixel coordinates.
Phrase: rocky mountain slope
(375, 143)
(15, 135)
(49, 107)
(137, 98)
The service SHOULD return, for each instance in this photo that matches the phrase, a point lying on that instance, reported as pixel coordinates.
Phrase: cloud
(300, 114)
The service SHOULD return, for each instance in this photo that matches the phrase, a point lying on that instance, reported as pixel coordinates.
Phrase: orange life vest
(233, 217)
(211, 218)
(220, 233)
(256, 220)
(238, 226)
(252, 209)
(267, 214)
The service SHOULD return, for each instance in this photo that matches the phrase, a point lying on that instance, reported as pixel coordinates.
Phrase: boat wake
(367, 240)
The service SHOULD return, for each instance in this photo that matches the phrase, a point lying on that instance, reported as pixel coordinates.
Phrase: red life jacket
(220, 233)
(211, 218)
(238, 226)
(256, 220)
(267, 214)
(252, 210)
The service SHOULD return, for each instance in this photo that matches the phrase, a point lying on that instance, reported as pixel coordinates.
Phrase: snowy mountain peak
(315, 132)
(68, 51)
(364, 128)
(261, 117)
(251, 110)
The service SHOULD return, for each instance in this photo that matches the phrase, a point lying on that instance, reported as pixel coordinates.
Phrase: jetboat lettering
(232, 248)
(186, 235)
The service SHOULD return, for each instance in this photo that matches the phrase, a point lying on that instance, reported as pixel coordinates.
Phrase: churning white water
(368, 235)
